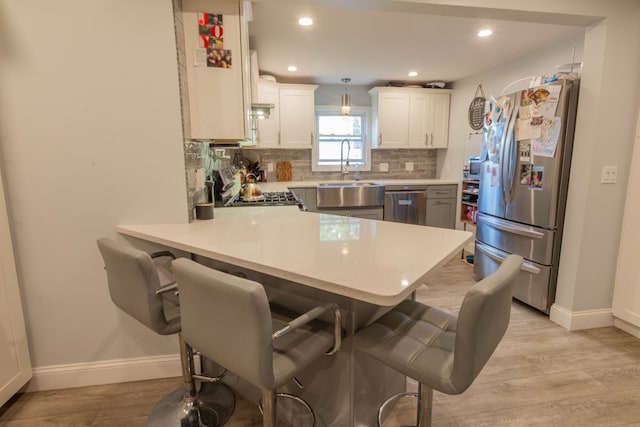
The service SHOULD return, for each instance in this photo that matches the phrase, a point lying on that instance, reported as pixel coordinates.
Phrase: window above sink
(332, 128)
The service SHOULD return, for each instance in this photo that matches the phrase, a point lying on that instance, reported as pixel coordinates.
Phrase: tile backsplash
(200, 160)
(424, 164)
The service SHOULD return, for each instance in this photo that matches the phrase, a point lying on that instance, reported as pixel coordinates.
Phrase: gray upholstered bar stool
(439, 350)
(228, 318)
(135, 287)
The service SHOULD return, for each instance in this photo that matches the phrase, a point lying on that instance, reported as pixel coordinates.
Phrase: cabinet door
(626, 293)
(419, 120)
(268, 130)
(215, 96)
(297, 116)
(441, 213)
(438, 120)
(393, 119)
(15, 364)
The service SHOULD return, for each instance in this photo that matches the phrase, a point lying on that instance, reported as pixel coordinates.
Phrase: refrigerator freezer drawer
(532, 284)
(532, 243)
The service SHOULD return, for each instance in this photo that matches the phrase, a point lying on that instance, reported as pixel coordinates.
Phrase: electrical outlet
(269, 167)
(609, 174)
(384, 167)
(408, 166)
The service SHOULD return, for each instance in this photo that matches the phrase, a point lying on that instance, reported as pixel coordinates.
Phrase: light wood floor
(540, 375)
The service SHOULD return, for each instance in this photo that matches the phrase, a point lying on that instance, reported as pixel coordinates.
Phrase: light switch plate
(609, 174)
(269, 167)
(384, 167)
(408, 166)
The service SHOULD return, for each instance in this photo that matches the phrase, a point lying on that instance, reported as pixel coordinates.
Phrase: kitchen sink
(350, 184)
(350, 194)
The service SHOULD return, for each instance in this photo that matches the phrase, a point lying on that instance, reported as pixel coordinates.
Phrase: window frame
(325, 110)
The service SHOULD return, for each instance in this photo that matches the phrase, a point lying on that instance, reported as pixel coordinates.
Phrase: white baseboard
(627, 327)
(106, 372)
(576, 320)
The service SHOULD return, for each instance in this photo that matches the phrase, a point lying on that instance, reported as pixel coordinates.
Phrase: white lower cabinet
(626, 294)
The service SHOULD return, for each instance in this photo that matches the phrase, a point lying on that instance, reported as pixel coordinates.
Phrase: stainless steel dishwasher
(406, 204)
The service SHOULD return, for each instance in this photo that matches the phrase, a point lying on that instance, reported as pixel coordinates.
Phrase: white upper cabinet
(268, 130)
(437, 119)
(215, 99)
(392, 112)
(297, 115)
(410, 117)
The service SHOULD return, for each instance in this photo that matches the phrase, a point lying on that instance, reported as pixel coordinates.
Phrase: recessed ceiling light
(305, 22)
(485, 33)
(292, 68)
(413, 73)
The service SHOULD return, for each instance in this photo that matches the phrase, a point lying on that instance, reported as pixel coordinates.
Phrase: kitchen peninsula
(306, 258)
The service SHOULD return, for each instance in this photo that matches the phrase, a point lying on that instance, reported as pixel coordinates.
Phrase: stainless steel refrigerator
(526, 158)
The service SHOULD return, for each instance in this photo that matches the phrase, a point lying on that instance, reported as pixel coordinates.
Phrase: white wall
(604, 136)
(494, 82)
(91, 137)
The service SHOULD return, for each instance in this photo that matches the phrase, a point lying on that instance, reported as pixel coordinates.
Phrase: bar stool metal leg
(212, 406)
(268, 408)
(425, 405)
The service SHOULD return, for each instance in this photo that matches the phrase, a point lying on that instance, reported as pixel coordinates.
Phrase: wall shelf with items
(469, 201)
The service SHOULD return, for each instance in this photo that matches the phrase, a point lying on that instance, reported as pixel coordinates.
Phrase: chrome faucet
(344, 168)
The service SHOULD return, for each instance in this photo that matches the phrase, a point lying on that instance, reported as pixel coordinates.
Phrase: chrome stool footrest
(424, 406)
(296, 399)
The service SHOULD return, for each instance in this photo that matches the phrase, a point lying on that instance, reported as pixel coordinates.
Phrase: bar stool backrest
(227, 318)
(133, 279)
(482, 322)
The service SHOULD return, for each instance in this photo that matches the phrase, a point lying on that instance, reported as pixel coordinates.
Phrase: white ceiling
(373, 46)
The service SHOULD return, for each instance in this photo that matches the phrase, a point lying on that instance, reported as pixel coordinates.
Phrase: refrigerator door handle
(503, 178)
(511, 228)
(527, 266)
(510, 153)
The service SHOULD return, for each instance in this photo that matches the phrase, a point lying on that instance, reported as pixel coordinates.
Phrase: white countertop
(285, 185)
(373, 261)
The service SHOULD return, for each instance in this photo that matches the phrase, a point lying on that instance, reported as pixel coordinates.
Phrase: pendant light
(346, 101)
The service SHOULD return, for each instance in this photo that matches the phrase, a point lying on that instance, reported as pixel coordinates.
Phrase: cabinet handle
(426, 139)
(432, 139)
(311, 139)
(380, 138)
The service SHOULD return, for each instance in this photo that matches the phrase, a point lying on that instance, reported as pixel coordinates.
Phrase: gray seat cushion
(414, 339)
(438, 349)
